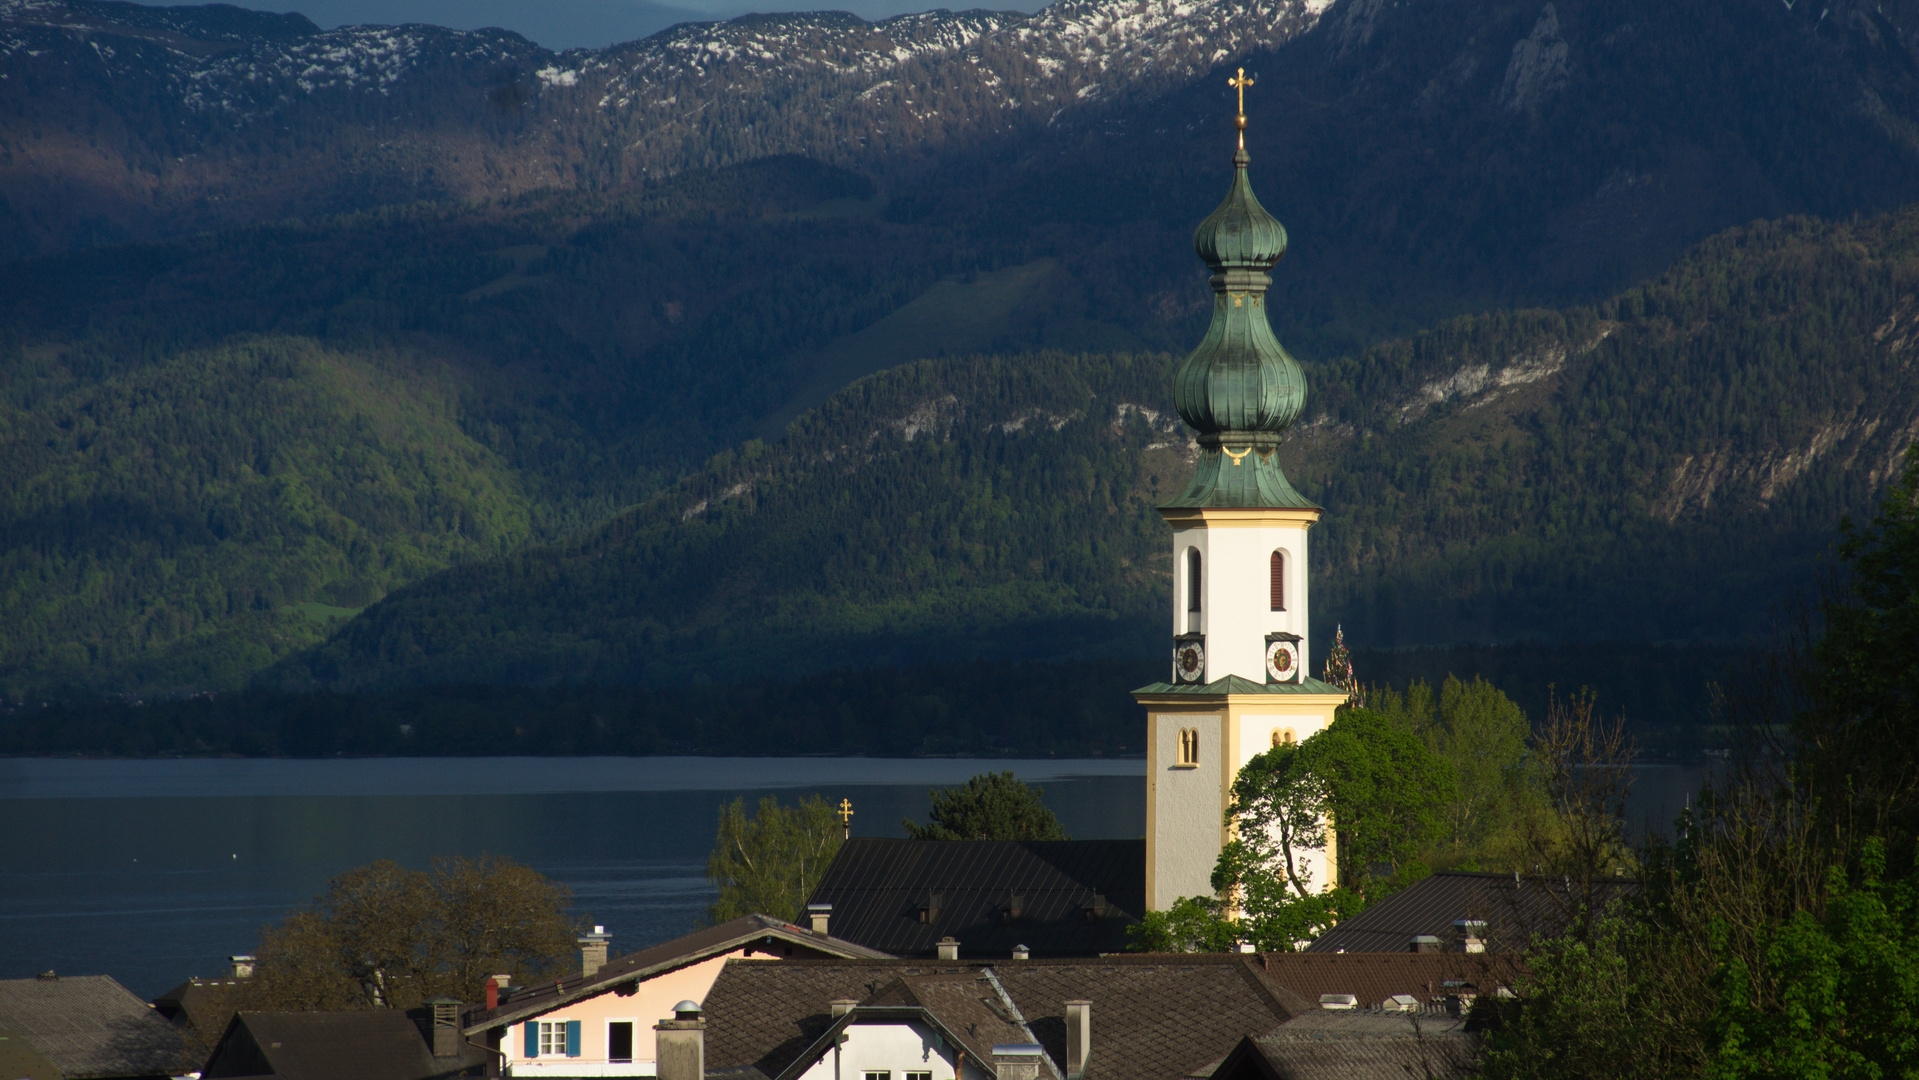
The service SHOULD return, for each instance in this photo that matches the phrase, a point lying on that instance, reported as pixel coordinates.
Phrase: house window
(1189, 746)
(881, 1074)
(554, 1041)
(619, 1041)
(1279, 581)
(1192, 579)
(919, 1076)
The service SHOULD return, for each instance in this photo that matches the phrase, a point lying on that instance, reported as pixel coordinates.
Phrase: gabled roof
(774, 937)
(90, 1026)
(969, 1009)
(365, 1044)
(20, 1061)
(1154, 1017)
(1341, 1045)
(879, 887)
(1514, 909)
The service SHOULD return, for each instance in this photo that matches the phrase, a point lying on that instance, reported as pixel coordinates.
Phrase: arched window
(1188, 746)
(1284, 737)
(1192, 579)
(1279, 580)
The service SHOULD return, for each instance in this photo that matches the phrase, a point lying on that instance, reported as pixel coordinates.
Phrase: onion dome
(1240, 389)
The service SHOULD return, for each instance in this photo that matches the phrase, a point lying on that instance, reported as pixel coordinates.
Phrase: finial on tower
(1240, 82)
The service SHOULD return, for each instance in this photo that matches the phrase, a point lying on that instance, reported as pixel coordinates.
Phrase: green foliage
(1192, 924)
(1836, 996)
(1857, 753)
(1589, 1008)
(1481, 734)
(383, 936)
(990, 806)
(1387, 792)
(770, 863)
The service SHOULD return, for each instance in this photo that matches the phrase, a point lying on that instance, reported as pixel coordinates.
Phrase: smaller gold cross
(1240, 82)
(846, 813)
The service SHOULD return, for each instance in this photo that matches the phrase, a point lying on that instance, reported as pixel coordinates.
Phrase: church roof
(1236, 684)
(1057, 897)
(1514, 909)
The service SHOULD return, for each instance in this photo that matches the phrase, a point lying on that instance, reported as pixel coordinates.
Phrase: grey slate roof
(90, 1026)
(771, 937)
(1340, 1045)
(1154, 1017)
(1514, 911)
(878, 888)
(1374, 977)
(365, 1044)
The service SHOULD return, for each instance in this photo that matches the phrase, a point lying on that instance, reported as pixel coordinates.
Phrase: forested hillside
(1665, 465)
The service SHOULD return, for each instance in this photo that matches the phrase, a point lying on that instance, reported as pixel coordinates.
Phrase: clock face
(1282, 661)
(1189, 661)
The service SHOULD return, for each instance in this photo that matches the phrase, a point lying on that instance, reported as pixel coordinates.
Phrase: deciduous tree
(771, 862)
(990, 806)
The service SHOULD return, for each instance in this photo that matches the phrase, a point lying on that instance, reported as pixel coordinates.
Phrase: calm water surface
(151, 871)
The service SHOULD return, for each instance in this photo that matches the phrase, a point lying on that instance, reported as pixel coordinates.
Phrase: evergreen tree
(990, 806)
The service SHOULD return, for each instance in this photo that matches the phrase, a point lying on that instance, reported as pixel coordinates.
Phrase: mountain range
(381, 357)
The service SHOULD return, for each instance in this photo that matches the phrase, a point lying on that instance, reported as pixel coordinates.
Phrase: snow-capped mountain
(202, 116)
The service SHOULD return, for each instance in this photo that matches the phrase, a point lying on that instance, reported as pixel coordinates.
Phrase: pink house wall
(651, 1003)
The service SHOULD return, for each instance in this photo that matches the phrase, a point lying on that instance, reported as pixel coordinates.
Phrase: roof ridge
(1020, 1019)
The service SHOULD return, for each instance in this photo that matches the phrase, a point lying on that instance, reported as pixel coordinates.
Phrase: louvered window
(1192, 579)
(1279, 580)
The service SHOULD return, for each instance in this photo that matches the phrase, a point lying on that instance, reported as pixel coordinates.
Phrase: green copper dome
(1240, 389)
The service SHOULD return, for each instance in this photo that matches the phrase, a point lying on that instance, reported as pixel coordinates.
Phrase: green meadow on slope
(1666, 465)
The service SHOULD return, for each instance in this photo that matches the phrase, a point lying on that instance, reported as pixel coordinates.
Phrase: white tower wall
(1235, 611)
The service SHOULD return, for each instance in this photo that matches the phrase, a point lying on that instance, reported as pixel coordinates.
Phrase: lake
(151, 871)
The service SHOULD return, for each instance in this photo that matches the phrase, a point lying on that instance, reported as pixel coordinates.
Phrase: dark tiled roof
(878, 887)
(1514, 911)
(1154, 1017)
(199, 1001)
(777, 938)
(367, 1044)
(969, 1009)
(90, 1026)
(1374, 977)
(1328, 1045)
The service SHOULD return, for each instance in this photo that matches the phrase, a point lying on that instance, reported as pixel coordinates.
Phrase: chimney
(241, 966)
(842, 1006)
(1014, 1061)
(1079, 1037)
(1021, 952)
(593, 951)
(445, 1012)
(680, 1044)
(1471, 935)
(1338, 1001)
(949, 950)
(819, 914)
(1423, 943)
(495, 987)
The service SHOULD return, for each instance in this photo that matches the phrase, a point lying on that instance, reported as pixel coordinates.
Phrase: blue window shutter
(572, 1038)
(532, 1038)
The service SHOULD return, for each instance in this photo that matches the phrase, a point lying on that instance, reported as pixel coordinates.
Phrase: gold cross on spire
(1240, 82)
(846, 816)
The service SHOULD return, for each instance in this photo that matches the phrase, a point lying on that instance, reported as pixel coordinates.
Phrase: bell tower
(1238, 684)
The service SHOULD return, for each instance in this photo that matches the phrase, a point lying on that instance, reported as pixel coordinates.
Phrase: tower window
(1284, 737)
(1188, 746)
(1192, 579)
(1279, 580)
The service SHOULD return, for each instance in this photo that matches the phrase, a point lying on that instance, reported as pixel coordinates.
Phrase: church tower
(1238, 685)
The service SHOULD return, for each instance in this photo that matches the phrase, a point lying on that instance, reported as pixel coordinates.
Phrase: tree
(770, 863)
(383, 936)
(1386, 790)
(1854, 749)
(1192, 924)
(1499, 799)
(990, 806)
